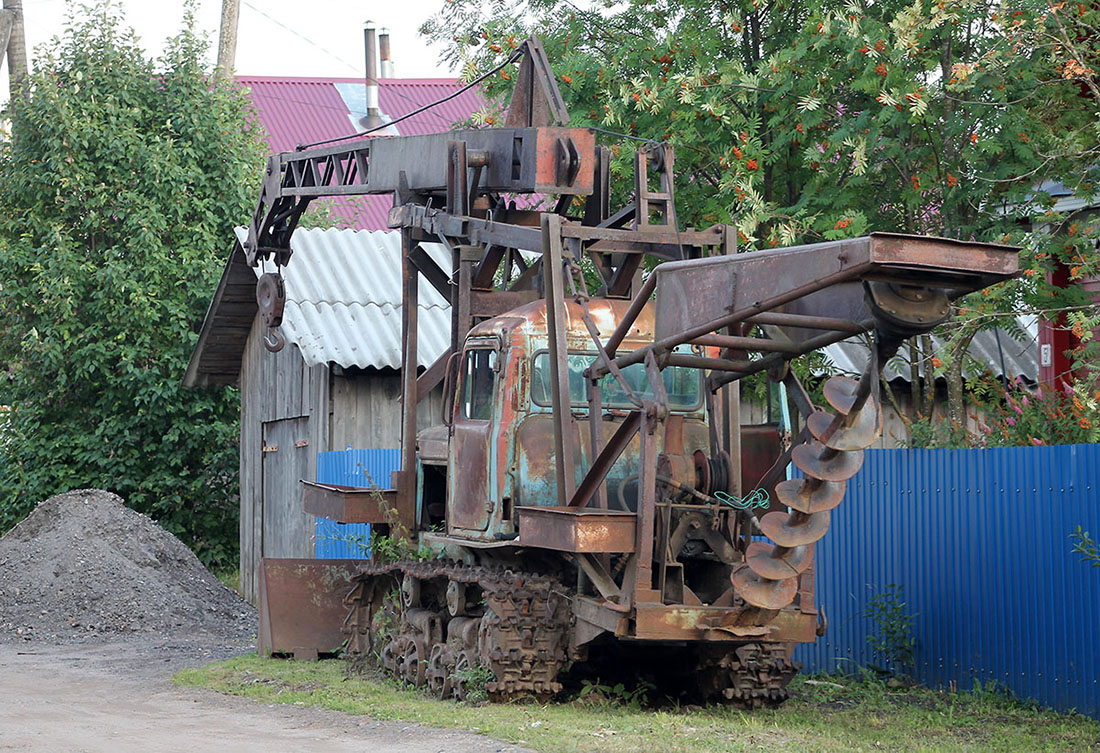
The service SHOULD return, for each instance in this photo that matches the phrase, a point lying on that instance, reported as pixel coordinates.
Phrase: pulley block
(271, 298)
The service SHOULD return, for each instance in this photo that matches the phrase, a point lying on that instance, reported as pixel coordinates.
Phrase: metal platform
(570, 529)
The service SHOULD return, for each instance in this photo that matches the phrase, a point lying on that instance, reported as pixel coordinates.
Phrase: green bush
(119, 190)
(892, 636)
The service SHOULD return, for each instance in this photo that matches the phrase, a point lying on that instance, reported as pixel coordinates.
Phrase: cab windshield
(683, 385)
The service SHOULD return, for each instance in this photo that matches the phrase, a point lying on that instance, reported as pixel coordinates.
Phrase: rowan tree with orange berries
(805, 121)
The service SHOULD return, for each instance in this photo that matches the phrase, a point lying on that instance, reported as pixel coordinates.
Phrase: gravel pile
(83, 565)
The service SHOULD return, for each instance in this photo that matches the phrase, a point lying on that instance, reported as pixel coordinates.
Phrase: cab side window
(478, 375)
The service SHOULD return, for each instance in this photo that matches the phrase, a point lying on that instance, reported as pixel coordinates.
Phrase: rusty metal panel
(693, 292)
(760, 449)
(423, 160)
(678, 622)
(571, 529)
(302, 605)
(469, 506)
(548, 147)
(346, 504)
(948, 254)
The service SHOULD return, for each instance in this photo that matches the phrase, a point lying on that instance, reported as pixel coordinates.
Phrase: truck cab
(498, 423)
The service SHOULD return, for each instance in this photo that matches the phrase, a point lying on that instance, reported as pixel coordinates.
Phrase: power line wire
(515, 55)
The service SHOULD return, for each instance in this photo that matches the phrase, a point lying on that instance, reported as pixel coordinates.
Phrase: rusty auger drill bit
(769, 577)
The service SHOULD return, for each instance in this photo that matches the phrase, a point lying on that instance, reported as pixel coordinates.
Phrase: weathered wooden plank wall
(365, 410)
(284, 404)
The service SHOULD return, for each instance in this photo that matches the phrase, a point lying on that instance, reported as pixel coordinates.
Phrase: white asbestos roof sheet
(990, 348)
(343, 290)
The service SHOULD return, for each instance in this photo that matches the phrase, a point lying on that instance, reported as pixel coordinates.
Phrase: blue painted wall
(351, 468)
(979, 539)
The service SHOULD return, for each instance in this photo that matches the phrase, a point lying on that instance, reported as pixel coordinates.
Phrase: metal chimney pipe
(373, 118)
(384, 53)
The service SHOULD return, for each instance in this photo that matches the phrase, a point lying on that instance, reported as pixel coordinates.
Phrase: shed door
(287, 531)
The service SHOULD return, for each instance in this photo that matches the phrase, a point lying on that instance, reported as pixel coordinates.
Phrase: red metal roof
(297, 111)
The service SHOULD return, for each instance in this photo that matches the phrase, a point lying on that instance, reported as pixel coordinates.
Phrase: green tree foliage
(804, 120)
(119, 189)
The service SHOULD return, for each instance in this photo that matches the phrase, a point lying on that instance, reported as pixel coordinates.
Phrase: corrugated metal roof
(399, 96)
(1020, 358)
(343, 306)
(297, 111)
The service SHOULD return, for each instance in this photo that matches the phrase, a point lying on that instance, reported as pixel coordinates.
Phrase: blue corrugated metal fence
(350, 468)
(979, 541)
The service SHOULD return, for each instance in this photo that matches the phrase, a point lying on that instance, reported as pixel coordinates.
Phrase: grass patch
(230, 577)
(861, 715)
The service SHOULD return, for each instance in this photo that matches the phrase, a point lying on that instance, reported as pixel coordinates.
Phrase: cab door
(472, 438)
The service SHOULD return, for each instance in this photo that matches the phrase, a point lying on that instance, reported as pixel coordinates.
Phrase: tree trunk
(929, 377)
(227, 38)
(916, 409)
(954, 377)
(17, 46)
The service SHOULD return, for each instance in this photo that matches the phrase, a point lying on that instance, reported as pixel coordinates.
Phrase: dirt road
(117, 697)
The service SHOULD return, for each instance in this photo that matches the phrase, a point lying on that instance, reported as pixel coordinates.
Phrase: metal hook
(274, 340)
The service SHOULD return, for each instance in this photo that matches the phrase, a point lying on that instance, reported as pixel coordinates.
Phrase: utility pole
(227, 39)
(16, 45)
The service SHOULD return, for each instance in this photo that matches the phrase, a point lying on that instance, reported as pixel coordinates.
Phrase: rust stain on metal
(302, 604)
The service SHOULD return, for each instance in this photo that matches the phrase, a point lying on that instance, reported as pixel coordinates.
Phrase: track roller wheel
(438, 672)
(412, 662)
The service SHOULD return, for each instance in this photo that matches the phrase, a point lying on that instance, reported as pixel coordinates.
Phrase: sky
(274, 37)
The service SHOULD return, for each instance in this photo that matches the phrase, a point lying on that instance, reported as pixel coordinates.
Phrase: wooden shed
(336, 384)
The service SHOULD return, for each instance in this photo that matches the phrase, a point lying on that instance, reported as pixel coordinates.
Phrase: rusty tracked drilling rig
(587, 477)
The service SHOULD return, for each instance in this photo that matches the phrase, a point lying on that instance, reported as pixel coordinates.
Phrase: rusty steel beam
(702, 362)
(751, 344)
(646, 513)
(774, 359)
(432, 376)
(611, 452)
(556, 324)
(807, 322)
(406, 491)
(576, 530)
(668, 343)
(432, 272)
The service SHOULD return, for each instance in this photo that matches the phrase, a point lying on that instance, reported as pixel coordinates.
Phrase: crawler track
(437, 624)
(750, 676)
